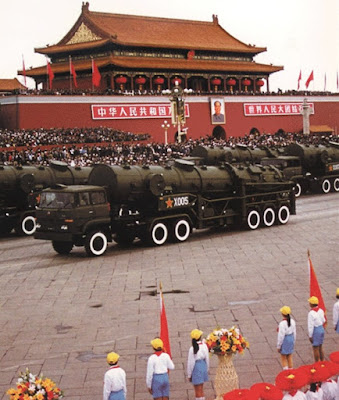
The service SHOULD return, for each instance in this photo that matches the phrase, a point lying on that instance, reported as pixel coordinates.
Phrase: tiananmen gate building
(117, 70)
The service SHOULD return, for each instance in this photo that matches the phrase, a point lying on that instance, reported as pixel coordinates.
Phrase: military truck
(156, 204)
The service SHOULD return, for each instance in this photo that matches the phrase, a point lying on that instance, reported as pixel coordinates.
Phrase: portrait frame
(221, 118)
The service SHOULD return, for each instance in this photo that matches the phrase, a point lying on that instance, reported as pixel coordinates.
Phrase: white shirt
(202, 354)
(329, 389)
(315, 319)
(318, 395)
(284, 330)
(336, 313)
(114, 380)
(298, 396)
(157, 364)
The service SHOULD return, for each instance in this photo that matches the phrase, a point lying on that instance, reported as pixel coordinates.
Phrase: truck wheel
(297, 190)
(159, 234)
(181, 230)
(27, 226)
(336, 184)
(326, 186)
(95, 244)
(283, 215)
(269, 217)
(62, 247)
(253, 219)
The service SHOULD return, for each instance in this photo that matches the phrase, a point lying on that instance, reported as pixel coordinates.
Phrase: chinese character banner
(264, 109)
(135, 111)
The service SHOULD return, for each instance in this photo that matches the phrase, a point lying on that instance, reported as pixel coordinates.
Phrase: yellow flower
(27, 397)
(40, 396)
(11, 391)
(234, 349)
(236, 341)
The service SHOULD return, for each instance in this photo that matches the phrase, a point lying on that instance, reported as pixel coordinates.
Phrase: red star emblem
(169, 203)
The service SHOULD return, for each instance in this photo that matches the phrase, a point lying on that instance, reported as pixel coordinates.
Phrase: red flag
(299, 79)
(309, 80)
(164, 335)
(72, 72)
(314, 285)
(96, 77)
(50, 74)
(24, 70)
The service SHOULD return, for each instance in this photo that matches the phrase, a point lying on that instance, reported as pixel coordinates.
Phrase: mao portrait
(218, 111)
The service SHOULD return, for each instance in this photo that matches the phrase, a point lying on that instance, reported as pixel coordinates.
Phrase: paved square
(61, 315)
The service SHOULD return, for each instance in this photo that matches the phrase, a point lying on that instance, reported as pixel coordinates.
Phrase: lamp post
(166, 126)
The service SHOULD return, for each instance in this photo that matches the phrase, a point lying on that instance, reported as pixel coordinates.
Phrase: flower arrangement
(226, 341)
(33, 387)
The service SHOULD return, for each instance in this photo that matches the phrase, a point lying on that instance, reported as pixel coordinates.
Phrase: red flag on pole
(314, 285)
(164, 335)
(72, 72)
(299, 79)
(24, 69)
(309, 80)
(96, 77)
(50, 74)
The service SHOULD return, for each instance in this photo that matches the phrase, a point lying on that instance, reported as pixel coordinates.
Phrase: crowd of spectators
(109, 146)
(44, 137)
(130, 92)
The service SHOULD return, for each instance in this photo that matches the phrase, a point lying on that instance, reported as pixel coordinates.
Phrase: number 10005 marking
(181, 201)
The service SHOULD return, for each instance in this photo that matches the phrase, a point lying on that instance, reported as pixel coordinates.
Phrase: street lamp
(166, 126)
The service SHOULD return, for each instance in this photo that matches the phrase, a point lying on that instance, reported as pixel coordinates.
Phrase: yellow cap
(337, 291)
(285, 310)
(196, 334)
(112, 358)
(313, 300)
(157, 344)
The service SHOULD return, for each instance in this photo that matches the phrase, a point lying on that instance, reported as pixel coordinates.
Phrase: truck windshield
(57, 200)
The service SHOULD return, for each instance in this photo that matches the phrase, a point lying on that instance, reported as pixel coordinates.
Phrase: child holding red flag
(315, 322)
(157, 371)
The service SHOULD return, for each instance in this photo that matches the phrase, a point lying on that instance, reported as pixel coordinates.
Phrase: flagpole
(47, 76)
(70, 74)
(92, 75)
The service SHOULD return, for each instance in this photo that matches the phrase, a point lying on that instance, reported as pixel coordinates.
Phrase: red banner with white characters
(265, 109)
(133, 111)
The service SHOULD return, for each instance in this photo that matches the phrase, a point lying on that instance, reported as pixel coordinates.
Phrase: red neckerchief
(316, 309)
(114, 366)
(293, 392)
(158, 353)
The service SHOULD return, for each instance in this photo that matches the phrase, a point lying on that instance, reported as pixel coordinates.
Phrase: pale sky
(298, 34)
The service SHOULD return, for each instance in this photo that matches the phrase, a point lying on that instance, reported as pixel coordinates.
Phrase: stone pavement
(61, 315)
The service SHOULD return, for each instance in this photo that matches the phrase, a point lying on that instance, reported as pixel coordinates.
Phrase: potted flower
(34, 387)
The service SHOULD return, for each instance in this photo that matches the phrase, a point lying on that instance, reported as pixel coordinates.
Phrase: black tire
(325, 186)
(298, 189)
(283, 215)
(253, 219)
(158, 234)
(95, 244)
(181, 230)
(336, 185)
(62, 247)
(268, 217)
(27, 226)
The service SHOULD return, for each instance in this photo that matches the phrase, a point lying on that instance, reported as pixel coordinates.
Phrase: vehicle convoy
(20, 188)
(313, 168)
(157, 204)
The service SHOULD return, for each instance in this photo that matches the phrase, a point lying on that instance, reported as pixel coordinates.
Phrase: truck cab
(69, 216)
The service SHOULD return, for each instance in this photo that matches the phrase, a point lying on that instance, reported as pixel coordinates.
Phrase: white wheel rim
(282, 210)
(269, 217)
(326, 186)
(257, 217)
(157, 228)
(98, 235)
(180, 224)
(297, 190)
(26, 220)
(336, 184)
